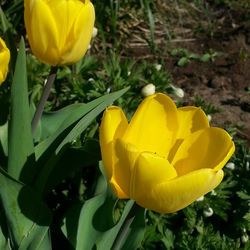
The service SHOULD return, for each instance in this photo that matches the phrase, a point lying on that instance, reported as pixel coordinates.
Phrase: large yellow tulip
(165, 158)
(59, 31)
(4, 60)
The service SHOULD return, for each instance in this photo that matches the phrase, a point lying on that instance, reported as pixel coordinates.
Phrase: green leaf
(50, 150)
(85, 222)
(20, 145)
(73, 160)
(78, 111)
(28, 218)
(96, 228)
(183, 61)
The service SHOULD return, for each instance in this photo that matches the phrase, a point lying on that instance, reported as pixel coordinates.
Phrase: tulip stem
(44, 97)
(125, 228)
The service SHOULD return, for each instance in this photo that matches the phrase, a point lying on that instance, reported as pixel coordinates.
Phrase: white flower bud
(247, 165)
(209, 117)
(230, 165)
(158, 67)
(129, 73)
(178, 91)
(95, 32)
(200, 199)
(148, 90)
(213, 192)
(208, 212)
(244, 238)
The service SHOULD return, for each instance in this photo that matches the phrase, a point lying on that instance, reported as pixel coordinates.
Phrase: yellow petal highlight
(4, 60)
(206, 148)
(154, 125)
(113, 125)
(150, 169)
(178, 193)
(191, 119)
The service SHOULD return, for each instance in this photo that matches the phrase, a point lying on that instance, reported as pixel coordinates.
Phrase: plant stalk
(45, 95)
(124, 230)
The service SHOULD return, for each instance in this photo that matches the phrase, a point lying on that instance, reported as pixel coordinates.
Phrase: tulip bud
(4, 60)
(148, 90)
(59, 32)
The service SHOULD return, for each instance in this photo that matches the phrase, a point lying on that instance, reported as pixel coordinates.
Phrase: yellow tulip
(4, 60)
(166, 157)
(59, 31)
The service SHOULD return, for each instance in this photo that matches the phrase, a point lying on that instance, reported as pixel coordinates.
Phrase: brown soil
(222, 82)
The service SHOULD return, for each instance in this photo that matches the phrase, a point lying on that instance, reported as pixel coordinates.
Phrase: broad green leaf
(96, 217)
(128, 233)
(96, 228)
(50, 149)
(78, 111)
(28, 218)
(73, 160)
(20, 144)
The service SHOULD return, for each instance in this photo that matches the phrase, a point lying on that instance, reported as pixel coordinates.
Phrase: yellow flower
(4, 60)
(59, 31)
(165, 158)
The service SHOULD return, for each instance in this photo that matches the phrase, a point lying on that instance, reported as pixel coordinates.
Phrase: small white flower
(95, 32)
(230, 165)
(208, 212)
(213, 192)
(129, 73)
(148, 90)
(244, 238)
(91, 79)
(108, 90)
(209, 117)
(158, 67)
(200, 199)
(247, 165)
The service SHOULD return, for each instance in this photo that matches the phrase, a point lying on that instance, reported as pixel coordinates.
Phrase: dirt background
(224, 81)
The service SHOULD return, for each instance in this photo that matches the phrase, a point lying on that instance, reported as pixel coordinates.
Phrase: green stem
(45, 95)
(124, 230)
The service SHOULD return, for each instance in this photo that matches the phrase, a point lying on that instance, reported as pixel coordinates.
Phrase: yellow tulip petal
(191, 119)
(113, 125)
(206, 148)
(178, 193)
(81, 33)
(153, 127)
(43, 34)
(4, 60)
(150, 169)
(126, 155)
